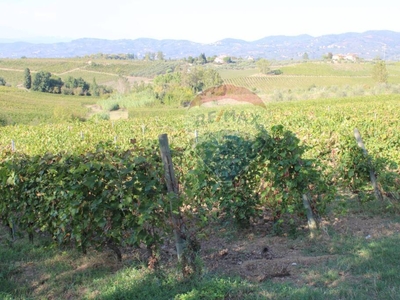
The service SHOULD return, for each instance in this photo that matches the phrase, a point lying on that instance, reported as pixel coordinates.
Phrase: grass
(26, 107)
(328, 69)
(135, 100)
(227, 74)
(101, 78)
(12, 77)
(52, 65)
(358, 268)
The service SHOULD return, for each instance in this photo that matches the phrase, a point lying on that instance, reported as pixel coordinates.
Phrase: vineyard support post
(172, 187)
(312, 223)
(374, 182)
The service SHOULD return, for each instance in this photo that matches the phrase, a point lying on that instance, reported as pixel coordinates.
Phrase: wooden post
(172, 187)
(196, 136)
(374, 182)
(143, 129)
(12, 146)
(312, 223)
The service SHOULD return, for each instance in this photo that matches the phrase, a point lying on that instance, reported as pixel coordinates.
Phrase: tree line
(44, 82)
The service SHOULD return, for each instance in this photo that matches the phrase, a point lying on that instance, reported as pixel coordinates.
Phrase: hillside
(368, 45)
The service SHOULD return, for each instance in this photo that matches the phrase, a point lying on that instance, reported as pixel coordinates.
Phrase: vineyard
(105, 71)
(270, 83)
(320, 132)
(92, 185)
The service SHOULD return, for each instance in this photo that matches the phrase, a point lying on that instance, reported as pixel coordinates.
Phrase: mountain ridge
(367, 45)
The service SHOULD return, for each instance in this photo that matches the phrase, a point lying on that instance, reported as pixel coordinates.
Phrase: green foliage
(20, 107)
(75, 86)
(202, 59)
(199, 78)
(275, 72)
(353, 165)
(379, 72)
(100, 116)
(2, 81)
(266, 171)
(180, 87)
(227, 59)
(143, 98)
(27, 79)
(263, 65)
(43, 82)
(94, 88)
(102, 197)
(160, 55)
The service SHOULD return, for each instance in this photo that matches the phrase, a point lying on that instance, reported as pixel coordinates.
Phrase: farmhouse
(220, 59)
(345, 57)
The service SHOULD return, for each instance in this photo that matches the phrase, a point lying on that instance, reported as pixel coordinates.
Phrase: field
(106, 72)
(25, 107)
(97, 186)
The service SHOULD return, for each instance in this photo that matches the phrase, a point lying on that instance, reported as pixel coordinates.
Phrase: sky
(202, 21)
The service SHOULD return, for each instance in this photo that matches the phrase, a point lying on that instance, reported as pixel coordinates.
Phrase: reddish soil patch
(224, 92)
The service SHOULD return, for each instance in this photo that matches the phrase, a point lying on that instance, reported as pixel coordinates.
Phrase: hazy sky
(203, 21)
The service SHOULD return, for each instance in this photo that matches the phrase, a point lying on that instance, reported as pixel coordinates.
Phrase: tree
(130, 56)
(211, 78)
(94, 88)
(43, 82)
(149, 56)
(27, 79)
(305, 56)
(202, 59)
(190, 60)
(263, 65)
(160, 55)
(379, 72)
(75, 86)
(2, 81)
(227, 59)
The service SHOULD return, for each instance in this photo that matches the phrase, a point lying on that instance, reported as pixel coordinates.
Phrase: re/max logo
(225, 116)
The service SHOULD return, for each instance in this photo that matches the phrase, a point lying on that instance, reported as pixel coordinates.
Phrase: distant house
(344, 57)
(351, 57)
(220, 59)
(338, 57)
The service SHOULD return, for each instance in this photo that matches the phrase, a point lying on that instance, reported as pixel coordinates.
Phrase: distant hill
(367, 45)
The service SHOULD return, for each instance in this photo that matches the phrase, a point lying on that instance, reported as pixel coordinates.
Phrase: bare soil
(256, 255)
(252, 254)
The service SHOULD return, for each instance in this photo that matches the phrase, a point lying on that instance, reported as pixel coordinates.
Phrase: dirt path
(8, 69)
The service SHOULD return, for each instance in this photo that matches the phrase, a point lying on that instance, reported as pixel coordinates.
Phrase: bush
(100, 116)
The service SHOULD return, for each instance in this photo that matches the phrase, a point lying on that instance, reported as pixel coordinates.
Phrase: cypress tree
(27, 79)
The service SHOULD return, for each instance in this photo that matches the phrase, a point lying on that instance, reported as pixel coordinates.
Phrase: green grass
(358, 268)
(87, 75)
(328, 69)
(26, 107)
(52, 65)
(227, 74)
(141, 99)
(133, 68)
(12, 77)
(269, 84)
